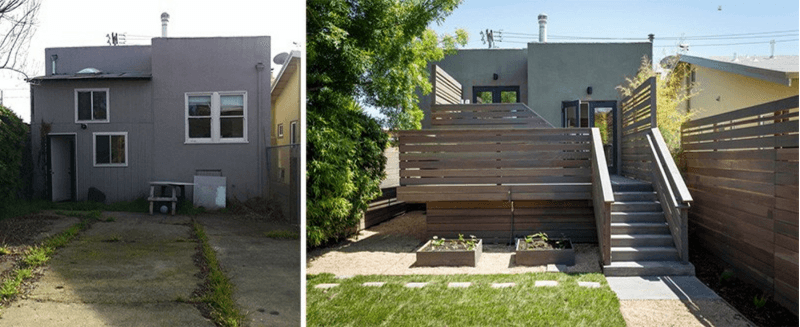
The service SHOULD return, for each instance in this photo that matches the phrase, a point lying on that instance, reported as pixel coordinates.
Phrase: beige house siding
(721, 92)
(286, 109)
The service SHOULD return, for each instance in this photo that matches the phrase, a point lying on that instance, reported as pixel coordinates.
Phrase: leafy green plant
(760, 302)
(437, 241)
(4, 250)
(726, 275)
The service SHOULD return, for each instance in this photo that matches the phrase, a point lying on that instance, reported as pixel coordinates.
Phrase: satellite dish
(280, 58)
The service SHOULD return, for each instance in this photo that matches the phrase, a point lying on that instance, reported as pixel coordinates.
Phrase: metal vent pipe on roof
(542, 28)
(54, 58)
(164, 21)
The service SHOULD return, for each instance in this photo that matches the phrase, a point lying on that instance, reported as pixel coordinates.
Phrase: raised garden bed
(537, 251)
(456, 252)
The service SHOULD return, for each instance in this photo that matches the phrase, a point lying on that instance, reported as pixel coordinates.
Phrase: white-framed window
(110, 149)
(294, 133)
(280, 130)
(91, 106)
(216, 117)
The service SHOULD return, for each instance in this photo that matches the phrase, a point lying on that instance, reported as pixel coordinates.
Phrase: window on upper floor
(111, 149)
(216, 117)
(280, 130)
(91, 105)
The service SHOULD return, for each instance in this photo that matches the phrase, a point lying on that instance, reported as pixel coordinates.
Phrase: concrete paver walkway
(129, 272)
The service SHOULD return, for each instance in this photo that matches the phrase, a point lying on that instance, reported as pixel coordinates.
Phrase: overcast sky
(86, 22)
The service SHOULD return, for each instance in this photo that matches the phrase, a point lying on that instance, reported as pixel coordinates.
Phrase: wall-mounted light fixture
(83, 126)
(589, 90)
(495, 77)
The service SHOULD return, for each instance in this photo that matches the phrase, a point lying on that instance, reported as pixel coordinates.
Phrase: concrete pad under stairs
(641, 243)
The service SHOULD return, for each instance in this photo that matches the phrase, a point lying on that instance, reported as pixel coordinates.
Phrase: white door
(61, 167)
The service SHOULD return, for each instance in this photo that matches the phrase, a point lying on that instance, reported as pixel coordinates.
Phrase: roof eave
(768, 75)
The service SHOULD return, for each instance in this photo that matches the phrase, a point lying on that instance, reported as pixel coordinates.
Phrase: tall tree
(370, 52)
(17, 26)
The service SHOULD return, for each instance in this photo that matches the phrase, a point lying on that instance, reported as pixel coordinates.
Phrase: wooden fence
(446, 90)
(637, 118)
(742, 170)
(495, 115)
(487, 182)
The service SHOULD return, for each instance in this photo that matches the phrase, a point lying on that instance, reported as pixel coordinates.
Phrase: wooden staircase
(641, 243)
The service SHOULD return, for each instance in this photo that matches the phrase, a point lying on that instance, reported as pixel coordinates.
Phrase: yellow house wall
(734, 92)
(285, 109)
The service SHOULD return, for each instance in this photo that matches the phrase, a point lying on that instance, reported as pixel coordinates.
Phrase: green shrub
(12, 141)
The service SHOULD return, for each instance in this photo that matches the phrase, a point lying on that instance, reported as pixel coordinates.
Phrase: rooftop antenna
(115, 39)
(772, 49)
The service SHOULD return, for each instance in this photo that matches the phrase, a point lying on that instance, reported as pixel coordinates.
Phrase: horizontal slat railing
(485, 165)
(446, 90)
(638, 116)
(602, 196)
(495, 115)
(742, 169)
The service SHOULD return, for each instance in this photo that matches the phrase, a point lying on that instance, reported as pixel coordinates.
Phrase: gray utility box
(209, 192)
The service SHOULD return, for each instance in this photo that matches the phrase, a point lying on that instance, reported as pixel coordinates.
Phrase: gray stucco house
(117, 117)
(566, 84)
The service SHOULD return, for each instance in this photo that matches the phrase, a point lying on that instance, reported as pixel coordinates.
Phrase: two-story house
(115, 118)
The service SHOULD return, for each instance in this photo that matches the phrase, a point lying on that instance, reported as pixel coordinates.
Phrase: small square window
(111, 149)
(91, 105)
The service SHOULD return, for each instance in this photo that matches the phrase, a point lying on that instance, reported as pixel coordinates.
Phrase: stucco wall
(562, 72)
(182, 65)
(734, 92)
(131, 58)
(129, 111)
(476, 67)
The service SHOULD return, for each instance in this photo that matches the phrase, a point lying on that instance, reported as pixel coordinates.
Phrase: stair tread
(640, 236)
(639, 224)
(643, 248)
(647, 264)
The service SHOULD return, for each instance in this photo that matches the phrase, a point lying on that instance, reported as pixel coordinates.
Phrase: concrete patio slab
(660, 288)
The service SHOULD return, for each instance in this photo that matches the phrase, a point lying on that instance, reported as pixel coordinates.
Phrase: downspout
(259, 70)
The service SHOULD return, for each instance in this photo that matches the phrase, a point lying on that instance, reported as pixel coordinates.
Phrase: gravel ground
(388, 249)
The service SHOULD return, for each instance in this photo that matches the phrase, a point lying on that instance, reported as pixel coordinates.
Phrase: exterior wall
(129, 111)
(106, 59)
(182, 65)
(476, 67)
(286, 108)
(562, 72)
(734, 92)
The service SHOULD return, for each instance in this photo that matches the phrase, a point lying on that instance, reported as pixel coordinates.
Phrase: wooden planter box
(564, 256)
(449, 258)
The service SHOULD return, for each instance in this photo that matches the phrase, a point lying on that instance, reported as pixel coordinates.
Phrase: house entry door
(600, 114)
(61, 164)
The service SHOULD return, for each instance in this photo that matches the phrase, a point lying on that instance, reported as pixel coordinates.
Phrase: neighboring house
(730, 83)
(117, 117)
(286, 102)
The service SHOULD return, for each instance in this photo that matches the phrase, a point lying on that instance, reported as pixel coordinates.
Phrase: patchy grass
(219, 289)
(22, 208)
(283, 234)
(114, 238)
(567, 304)
(37, 256)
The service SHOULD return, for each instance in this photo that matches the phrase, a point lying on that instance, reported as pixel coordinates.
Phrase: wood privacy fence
(446, 90)
(637, 118)
(742, 169)
(495, 115)
(487, 182)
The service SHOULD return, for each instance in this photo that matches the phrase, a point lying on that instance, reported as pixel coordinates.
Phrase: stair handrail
(602, 196)
(672, 192)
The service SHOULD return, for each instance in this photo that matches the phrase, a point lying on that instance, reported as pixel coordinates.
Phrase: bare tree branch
(17, 25)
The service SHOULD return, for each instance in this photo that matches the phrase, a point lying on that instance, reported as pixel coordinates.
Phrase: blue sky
(636, 19)
(631, 19)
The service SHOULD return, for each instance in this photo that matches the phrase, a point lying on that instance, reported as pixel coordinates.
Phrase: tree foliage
(12, 142)
(671, 90)
(370, 52)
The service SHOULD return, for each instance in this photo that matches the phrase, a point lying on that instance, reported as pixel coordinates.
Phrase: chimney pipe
(772, 48)
(164, 21)
(651, 37)
(542, 28)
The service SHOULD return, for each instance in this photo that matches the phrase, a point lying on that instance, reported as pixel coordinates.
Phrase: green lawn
(568, 304)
